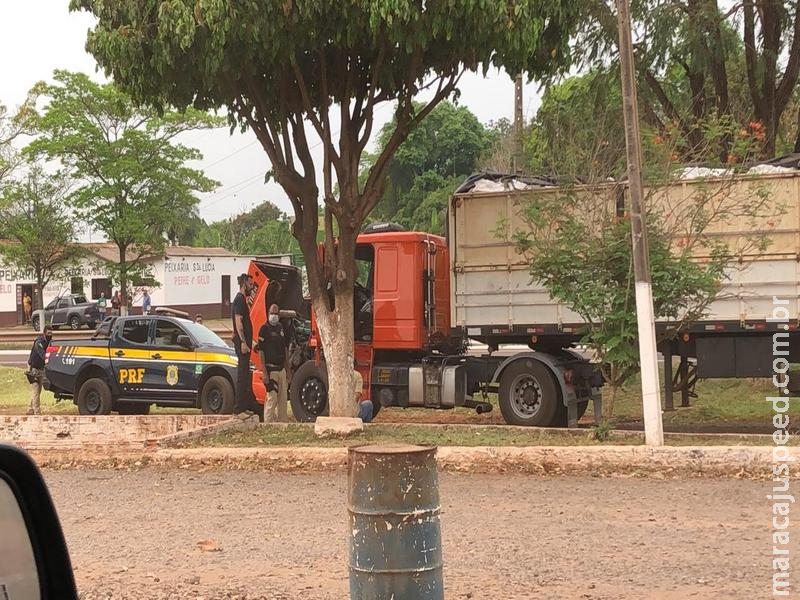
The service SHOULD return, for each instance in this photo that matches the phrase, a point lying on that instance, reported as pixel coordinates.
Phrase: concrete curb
(750, 462)
(114, 433)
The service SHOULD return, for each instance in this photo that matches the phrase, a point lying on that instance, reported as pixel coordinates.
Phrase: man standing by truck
(242, 339)
(273, 340)
(36, 369)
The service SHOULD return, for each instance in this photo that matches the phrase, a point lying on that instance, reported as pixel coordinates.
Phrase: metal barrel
(395, 535)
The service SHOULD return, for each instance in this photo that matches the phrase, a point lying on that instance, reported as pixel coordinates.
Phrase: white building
(196, 280)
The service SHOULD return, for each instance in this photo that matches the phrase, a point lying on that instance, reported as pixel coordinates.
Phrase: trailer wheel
(94, 397)
(217, 396)
(308, 393)
(528, 394)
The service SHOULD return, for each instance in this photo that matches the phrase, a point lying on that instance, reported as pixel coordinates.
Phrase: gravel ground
(159, 534)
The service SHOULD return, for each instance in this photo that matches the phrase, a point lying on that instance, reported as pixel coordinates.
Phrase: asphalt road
(14, 358)
(178, 534)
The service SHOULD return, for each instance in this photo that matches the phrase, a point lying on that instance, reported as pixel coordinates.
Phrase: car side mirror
(185, 341)
(34, 560)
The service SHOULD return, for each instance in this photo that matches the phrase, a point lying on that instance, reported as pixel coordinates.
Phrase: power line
(249, 181)
(252, 180)
(234, 153)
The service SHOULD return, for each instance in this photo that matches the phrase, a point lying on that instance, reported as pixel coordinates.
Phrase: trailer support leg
(572, 415)
(597, 408)
(684, 369)
(666, 350)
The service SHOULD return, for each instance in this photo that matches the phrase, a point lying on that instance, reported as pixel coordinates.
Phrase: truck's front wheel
(308, 393)
(94, 397)
(217, 396)
(528, 394)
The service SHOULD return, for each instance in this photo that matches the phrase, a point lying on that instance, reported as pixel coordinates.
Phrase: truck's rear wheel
(308, 393)
(528, 394)
(133, 408)
(217, 396)
(94, 397)
(75, 322)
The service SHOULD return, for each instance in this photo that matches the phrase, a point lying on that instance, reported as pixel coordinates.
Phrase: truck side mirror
(34, 560)
(185, 341)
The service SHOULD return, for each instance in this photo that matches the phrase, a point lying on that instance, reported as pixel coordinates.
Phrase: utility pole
(516, 165)
(648, 354)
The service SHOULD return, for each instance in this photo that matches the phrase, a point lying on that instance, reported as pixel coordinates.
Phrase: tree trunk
(336, 331)
(123, 281)
(797, 137)
(38, 300)
(608, 404)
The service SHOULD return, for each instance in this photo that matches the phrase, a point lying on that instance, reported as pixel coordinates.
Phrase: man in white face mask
(272, 344)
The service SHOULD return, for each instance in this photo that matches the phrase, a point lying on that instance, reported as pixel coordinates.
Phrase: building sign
(196, 273)
(11, 274)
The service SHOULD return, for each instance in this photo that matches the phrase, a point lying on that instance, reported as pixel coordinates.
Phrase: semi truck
(423, 301)
(407, 350)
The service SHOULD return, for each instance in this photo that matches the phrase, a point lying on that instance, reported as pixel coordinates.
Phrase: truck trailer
(495, 301)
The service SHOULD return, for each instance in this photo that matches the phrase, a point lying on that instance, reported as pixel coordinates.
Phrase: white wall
(196, 279)
(184, 280)
(9, 278)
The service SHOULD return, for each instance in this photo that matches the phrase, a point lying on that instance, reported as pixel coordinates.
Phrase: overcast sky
(38, 36)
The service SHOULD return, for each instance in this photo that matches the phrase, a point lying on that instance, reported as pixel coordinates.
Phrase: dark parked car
(71, 310)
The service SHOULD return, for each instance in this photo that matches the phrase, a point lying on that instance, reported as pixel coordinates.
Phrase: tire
(217, 396)
(308, 393)
(94, 397)
(133, 408)
(35, 323)
(91, 325)
(75, 322)
(529, 395)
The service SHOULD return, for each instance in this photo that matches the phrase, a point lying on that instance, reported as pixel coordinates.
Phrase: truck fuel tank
(432, 385)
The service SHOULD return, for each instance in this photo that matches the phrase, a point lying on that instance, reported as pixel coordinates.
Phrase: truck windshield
(203, 334)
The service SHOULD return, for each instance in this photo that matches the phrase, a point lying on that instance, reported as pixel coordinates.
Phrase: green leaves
(191, 51)
(429, 165)
(581, 252)
(38, 228)
(131, 180)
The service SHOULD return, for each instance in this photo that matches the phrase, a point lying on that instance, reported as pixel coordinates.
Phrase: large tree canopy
(13, 125)
(429, 165)
(38, 227)
(132, 181)
(278, 65)
(698, 59)
(262, 230)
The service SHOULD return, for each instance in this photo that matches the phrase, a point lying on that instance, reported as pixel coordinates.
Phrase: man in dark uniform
(242, 343)
(36, 367)
(273, 340)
